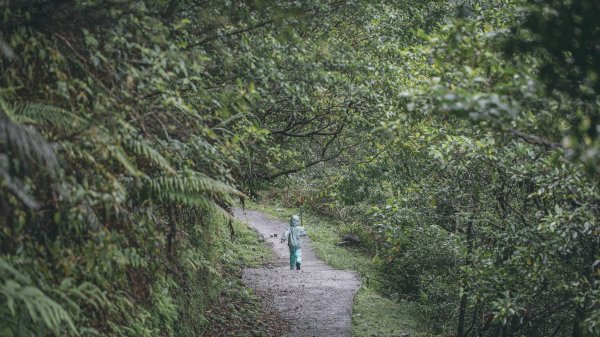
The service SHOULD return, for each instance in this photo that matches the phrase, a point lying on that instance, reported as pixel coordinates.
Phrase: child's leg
(292, 258)
(298, 258)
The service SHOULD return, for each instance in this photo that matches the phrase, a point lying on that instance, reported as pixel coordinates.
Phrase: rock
(351, 238)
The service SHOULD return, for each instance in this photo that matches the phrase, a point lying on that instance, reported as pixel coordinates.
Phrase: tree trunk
(462, 312)
(171, 235)
(579, 317)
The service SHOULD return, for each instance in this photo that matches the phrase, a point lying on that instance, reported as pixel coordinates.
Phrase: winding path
(316, 301)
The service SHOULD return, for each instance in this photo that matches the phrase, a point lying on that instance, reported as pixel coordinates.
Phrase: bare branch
(235, 32)
(535, 140)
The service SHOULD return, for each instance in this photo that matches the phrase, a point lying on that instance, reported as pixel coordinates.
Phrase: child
(294, 235)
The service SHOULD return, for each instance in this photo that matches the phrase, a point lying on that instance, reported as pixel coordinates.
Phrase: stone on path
(317, 300)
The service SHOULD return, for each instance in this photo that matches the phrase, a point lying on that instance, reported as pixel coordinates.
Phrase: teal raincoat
(293, 235)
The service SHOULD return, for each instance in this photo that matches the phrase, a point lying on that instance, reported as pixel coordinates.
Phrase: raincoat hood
(295, 221)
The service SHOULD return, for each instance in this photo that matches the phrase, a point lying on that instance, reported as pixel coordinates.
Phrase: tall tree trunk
(462, 312)
(588, 274)
(171, 235)
(577, 330)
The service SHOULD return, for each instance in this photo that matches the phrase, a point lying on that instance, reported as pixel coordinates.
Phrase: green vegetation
(246, 249)
(375, 315)
(459, 140)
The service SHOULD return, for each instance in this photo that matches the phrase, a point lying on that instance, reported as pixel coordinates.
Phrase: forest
(459, 140)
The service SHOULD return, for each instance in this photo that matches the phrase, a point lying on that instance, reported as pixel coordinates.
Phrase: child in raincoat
(293, 235)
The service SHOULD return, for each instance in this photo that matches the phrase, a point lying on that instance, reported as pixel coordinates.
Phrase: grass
(246, 249)
(373, 314)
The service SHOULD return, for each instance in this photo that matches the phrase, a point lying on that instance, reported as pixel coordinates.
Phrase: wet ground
(315, 301)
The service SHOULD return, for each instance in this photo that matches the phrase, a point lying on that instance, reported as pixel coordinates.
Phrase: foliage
(457, 139)
(477, 191)
(120, 140)
(562, 36)
(375, 315)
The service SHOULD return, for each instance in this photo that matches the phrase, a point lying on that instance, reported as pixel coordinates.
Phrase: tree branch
(310, 164)
(535, 140)
(235, 32)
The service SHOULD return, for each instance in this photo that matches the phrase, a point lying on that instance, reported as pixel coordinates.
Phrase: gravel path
(317, 300)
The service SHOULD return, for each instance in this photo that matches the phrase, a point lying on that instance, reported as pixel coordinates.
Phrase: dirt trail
(316, 301)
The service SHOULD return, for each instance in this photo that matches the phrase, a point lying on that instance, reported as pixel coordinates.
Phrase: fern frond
(120, 155)
(195, 200)
(47, 115)
(6, 270)
(85, 292)
(25, 142)
(193, 183)
(43, 308)
(77, 152)
(20, 297)
(142, 148)
(14, 184)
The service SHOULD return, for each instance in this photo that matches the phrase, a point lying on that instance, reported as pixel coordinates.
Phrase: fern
(194, 190)
(47, 115)
(25, 142)
(122, 157)
(142, 148)
(19, 300)
(14, 184)
(193, 183)
(195, 200)
(85, 292)
(30, 149)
